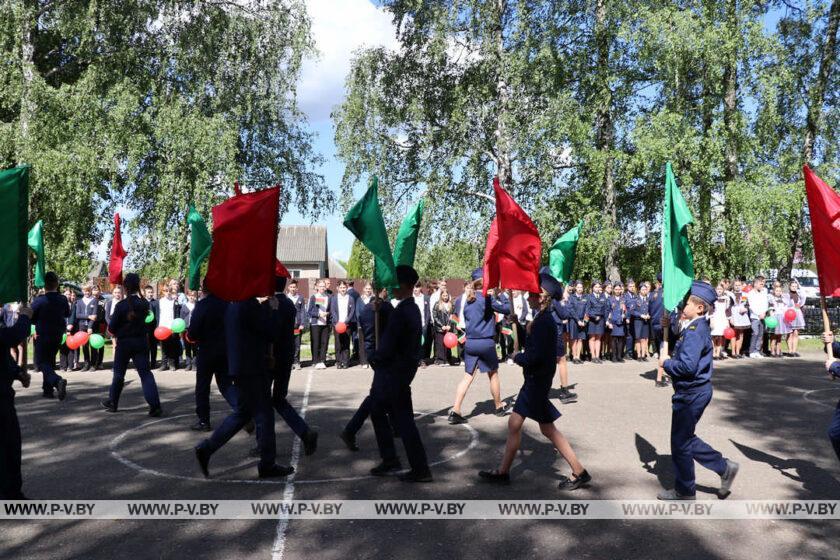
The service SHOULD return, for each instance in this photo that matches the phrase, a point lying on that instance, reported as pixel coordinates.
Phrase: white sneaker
(320, 365)
(509, 362)
(756, 355)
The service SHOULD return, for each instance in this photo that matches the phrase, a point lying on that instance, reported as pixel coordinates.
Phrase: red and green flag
(14, 225)
(677, 260)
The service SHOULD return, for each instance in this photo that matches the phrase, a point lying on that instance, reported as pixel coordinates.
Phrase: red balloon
(82, 337)
(450, 340)
(72, 342)
(341, 328)
(790, 315)
(728, 333)
(162, 333)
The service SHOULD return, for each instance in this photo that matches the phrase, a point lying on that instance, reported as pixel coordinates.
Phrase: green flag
(14, 220)
(36, 243)
(200, 244)
(405, 246)
(561, 256)
(365, 221)
(677, 260)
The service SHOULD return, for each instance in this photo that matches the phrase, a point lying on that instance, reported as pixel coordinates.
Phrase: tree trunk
(502, 139)
(814, 118)
(27, 67)
(730, 121)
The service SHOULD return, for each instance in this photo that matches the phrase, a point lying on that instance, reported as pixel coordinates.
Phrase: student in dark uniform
(300, 318)
(97, 355)
(616, 321)
(537, 362)
(87, 310)
(832, 365)
(49, 313)
(655, 308)
(690, 368)
(149, 295)
(248, 333)
(561, 314)
(367, 327)
(169, 309)
(354, 331)
(207, 330)
(129, 328)
(318, 312)
(395, 363)
(630, 296)
(342, 308)
(459, 306)
(282, 346)
(593, 314)
(11, 479)
(67, 358)
(480, 351)
(641, 322)
(577, 321)
(442, 325)
(504, 330)
(427, 333)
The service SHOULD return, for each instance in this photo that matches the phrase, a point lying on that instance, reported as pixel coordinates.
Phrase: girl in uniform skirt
(616, 315)
(577, 323)
(319, 321)
(794, 300)
(641, 323)
(606, 340)
(537, 362)
(739, 318)
(594, 313)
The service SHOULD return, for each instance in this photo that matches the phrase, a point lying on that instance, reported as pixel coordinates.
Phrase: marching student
(616, 317)
(593, 314)
(342, 308)
(67, 358)
(300, 318)
(655, 307)
(87, 310)
(169, 309)
(422, 301)
(719, 320)
(606, 340)
(739, 318)
(49, 313)
(794, 300)
(154, 309)
(11, 335)
(442, 321)
(777, 310)
(690, 368)
(577, 322)
(537, 362)
(832, 365)
(129, 328)
(97, 355)
(630, 296)
(480, 350)
(319, 312)
(641, 322)
(758, 303)
(190, 350)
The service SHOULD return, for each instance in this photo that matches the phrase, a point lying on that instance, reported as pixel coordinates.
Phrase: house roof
(335, 269)
(299, 244)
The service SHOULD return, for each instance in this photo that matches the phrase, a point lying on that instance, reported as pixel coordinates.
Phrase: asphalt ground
(769, 415)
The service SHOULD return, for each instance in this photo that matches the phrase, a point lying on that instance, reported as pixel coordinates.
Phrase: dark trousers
(355, 336)
(287, 412)
(362, 351)
(133, 349)
(46, 348)
(442, 353)
(834, 430)
(153, 348)
(617, 343)
(190, 349)
(656, 338)
(171, 348)
(297, 348)
(11, 480)
(521, 335)
(428, 342)
(342, 348)
(207, 367)
(358, 419)
(398, 399)
(506, 345)
(67, 358)
(686, 447)
(254, 403)
(320, 335)
(757, 335)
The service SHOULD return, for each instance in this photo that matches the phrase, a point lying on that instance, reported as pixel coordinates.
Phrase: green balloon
(178, 325)
(32, 330)
(96, 341)
(64, 338)
(771, 322)
(150, 317)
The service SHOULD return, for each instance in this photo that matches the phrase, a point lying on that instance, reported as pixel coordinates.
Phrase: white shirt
(759, 302)
(434, 298)
(420, 301)
(167, 312)
(343, 307)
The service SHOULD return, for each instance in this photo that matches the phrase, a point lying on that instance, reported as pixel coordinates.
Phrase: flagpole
(826, 324)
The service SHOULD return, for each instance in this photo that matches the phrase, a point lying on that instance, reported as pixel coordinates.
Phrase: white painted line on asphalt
(806, 394)
(289, 493)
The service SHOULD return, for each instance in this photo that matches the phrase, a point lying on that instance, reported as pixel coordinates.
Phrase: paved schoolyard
(769, 415)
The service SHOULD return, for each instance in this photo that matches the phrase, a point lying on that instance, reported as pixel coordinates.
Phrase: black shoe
(155, 412)
(154, 365)
(85, 367)
(386, 467)
(596, 361)
(416, 476)
(203, 457)
(250, 427)
(76, 368)
(62, 389)
(201, 426)
(661, 384)
(48, 394)
(621, 360)
(310, 442)
(165, 366)
(576, 482)
(494, 477)
(275, 471)
(109, 406)
(502, 411)
(349, 440)
(567, 396)
(455, 418)
(175, 365)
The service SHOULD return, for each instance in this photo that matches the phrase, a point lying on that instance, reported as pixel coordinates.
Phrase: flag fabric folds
(561, 256)
(14, 222)
(513, 251)
(405, 246)
(36, 243)
(365, 221)
(118, 254)
(200, 244)
(824, 206)
(244, 247)
(677, 260)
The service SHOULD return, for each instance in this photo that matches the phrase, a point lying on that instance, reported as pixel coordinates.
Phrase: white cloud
(339, 27)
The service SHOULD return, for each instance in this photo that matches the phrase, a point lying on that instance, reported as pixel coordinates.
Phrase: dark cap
(704, 291)
(477, 274)
(407, 275)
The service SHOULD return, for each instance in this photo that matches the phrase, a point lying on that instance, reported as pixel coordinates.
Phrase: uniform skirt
(480, 352)
(561, 344)
(576, 332)
(532, 401)
(641, 328)
(740, 320)
(595, 328)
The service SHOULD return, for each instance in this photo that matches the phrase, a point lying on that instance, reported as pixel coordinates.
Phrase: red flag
(280, 270)
(244, 246)
(824, 205)
(117, 255)
(512, 255)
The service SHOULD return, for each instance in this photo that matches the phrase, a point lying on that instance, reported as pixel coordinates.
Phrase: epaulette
(692, 328)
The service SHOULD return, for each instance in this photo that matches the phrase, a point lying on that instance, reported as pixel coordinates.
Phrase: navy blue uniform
(207, 329)
(67, 358)
(283, 344)
(480, 319)
(690, 368)
(84, 323)
(343, 340)
(395, 364)
(656, 306)
(538, 362)
(577, 311)
(562, 316)
(595, 310)
(130, 332)
(301, 323)
(49, 314)
(834, 427)
(641, 327)
(11, 481)
(629, 304)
